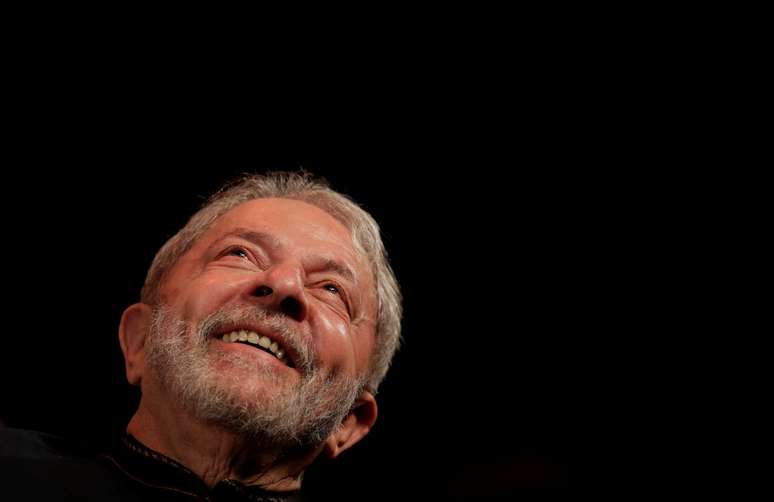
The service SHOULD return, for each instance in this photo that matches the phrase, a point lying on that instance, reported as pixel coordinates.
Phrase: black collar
(158, 471)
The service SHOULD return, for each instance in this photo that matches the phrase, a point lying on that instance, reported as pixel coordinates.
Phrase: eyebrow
(263, 238)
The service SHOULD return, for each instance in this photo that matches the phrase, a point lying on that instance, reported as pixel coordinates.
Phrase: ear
(354, 427)
(135, 323)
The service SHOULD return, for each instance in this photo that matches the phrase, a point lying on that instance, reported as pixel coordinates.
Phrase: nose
(282, 290)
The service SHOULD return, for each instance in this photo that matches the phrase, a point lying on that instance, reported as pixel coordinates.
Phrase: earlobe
(132, 332)
(354, 427)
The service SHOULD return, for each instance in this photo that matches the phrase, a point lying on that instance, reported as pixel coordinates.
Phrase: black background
(515, 230)
(565, 198)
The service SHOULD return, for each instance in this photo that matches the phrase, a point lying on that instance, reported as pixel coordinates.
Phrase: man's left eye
(342, 298)
(238, 252)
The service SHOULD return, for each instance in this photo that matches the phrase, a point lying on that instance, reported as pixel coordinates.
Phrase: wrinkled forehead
(289, 220)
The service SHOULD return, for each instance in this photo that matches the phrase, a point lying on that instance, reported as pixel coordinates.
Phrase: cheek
(336, 327)
(365, 347)
(207, 296)
(337, 342)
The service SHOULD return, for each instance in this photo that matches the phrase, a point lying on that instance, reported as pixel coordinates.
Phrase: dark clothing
(38, 466)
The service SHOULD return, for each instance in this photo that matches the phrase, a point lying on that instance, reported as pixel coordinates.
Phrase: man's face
(276, 271)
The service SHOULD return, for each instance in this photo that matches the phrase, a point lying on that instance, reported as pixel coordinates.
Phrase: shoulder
(34, 445)
(40, 466)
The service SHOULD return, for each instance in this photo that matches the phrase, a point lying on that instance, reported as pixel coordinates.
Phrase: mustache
(292, 337)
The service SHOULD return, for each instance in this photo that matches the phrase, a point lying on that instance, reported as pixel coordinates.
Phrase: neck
(214, 453)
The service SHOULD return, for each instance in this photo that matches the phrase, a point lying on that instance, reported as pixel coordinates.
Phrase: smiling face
(267, 321)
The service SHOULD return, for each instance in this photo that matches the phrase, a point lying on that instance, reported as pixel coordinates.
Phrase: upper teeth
(255, 339)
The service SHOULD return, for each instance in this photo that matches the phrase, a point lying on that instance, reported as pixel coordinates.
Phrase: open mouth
(260, 342)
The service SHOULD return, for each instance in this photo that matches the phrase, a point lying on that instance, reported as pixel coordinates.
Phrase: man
(264, 330)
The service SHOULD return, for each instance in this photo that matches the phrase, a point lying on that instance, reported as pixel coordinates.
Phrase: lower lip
(254, 352)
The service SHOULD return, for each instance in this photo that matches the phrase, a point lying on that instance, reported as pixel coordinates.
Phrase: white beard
(247, 398)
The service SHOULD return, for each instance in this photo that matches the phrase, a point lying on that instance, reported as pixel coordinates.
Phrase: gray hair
(300, 186)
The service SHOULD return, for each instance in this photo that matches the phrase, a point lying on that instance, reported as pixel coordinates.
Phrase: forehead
(287, 219)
